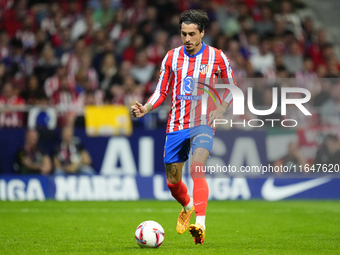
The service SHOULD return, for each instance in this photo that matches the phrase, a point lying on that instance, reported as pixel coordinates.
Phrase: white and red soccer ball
(149, 234)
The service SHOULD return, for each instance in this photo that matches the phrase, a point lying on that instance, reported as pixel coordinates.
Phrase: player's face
(191, 38)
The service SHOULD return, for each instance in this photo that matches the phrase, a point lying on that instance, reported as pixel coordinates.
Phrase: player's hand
(217, 114)
(214, 115)
(138, 110)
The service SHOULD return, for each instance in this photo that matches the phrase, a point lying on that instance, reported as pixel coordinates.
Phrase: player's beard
(193, 48)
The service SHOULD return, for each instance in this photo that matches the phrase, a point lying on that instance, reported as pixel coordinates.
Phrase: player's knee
(173, 173)
(173, 180)
(197, 170)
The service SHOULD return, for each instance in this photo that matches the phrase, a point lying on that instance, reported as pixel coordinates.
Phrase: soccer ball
(149, 234)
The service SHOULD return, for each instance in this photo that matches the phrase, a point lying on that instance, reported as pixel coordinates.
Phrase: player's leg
(200, 193)
(201, 144)
(180, 192)
(174, 181)
(176, 152)
(174, 172)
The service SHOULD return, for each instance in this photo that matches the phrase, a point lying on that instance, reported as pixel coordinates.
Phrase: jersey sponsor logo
(204, 69)
(189, 84)
(273, 193)
(200, 135)
(184, 97)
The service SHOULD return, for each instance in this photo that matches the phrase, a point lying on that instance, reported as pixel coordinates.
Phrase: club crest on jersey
(204, 69)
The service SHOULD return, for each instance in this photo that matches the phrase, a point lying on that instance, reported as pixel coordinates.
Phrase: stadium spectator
(85, 72)
(46, 65)
(32, 92)
(142, 71)
(64, 99)
(293, 157)
(13, 18)
(324, 94)
(252, 47)
(3, 73)
(70, 156)
(52, 84)
(73, 10)
(85, 89)
(315, 49)
(11, 117)
(104, 14)
(4, 45)
(34, 35)
(266, 23)
(66, 43)
(157, 50)
(31, 159)
(115, 95)
(263, 61)
(108, 73)
(329, 152)
(292, 20)
(26, 33)
(72, 59)
(99, 41)
(118, 28)
(329, 111)
(54, 20)
(307, 78)
(85, 25)
(136, 13)
(41, 40)
(308, 32)
(293, 61)
(133, 92)
(137, 44)
(17, 65)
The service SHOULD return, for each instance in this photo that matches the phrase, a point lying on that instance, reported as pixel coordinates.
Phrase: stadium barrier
(131, 168)
(130, 187)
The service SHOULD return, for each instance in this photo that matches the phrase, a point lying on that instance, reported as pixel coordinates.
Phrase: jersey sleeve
(163, 85)
(227, 77)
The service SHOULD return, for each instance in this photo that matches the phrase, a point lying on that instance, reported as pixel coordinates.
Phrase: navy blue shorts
(177, 144)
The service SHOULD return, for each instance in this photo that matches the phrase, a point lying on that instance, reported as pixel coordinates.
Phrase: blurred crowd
(72, 53)
(69, 155)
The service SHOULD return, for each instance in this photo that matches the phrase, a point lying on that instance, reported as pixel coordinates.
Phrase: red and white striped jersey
(52, 84)
(11, 118)
(177, 69)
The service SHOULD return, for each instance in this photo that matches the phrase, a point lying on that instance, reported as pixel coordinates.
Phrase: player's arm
(138, 110)
(227, 76)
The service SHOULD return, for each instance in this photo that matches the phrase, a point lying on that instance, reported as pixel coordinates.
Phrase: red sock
(180, 192)
(201, 189)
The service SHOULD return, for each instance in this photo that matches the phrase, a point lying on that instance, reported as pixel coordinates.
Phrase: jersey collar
(200, 51)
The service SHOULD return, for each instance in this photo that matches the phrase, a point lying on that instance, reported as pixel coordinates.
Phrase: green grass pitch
(233, 227)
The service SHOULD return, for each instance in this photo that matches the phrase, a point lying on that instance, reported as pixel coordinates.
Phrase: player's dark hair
(198, 17)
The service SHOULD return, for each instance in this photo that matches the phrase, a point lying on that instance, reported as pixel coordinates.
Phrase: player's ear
(202, 33)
